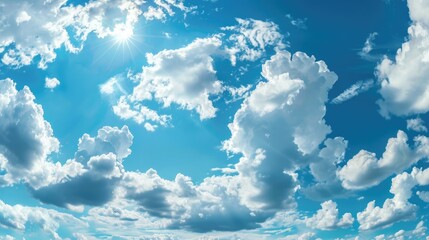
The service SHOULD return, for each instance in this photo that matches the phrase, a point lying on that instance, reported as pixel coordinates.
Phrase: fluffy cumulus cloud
(279, 125)
(93, 175)
(185, 76)
(365, 170)
(265, 180)
(397, 208)
(38, 28)
(327, 218)
(26, 138)
(51, 83)
(211, 205)
(18, 217)
(324, 168)
(404, 87)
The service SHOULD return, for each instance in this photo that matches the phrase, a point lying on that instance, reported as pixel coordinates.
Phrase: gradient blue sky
(214, 119)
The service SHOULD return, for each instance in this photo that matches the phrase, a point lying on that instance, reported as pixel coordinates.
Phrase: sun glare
(122, 34)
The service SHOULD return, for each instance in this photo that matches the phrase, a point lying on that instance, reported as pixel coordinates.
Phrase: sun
(122, 34)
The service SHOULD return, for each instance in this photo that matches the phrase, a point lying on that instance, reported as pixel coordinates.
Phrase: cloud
(20, 217)
(404, 87)
(214, 205)
(265, 180)
(397, 208)
(364, 170)
(278, 127)
(51, 83)
(353, 91)
(416, 124)
(97, 170)
(185, 77)
(33, 29)
(324, 168)
(162, 8)
(327, 218)
(140, 114)
(250, 39)
(26, 138)
(368, 47)
(112, 86)
(297, 22)
(424, 196)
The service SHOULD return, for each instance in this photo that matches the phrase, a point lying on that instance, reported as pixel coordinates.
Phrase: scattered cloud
(365, 52)
(353, 91)
(364, 170)
(397, 208)
(297, 22)
(416, 124)
(327, 218)
(51, 83)
(250, 39)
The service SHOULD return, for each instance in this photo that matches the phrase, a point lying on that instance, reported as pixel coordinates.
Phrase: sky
(214, 119)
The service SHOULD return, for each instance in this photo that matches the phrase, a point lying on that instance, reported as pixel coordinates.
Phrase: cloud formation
(326, 218)
(20, 217)
(404, 88)
(364, 170)
(38, 28)
(397, 208)
(26, 138)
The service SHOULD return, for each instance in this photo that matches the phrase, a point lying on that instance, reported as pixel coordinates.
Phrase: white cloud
(22, 17)
(18, 217)
(279, 124)
(416, 124)
(93, 175)
(250, 39)
(164, 8)
(404, 88)
(51, 83)
(34, 28)
(327, 218)
(139, 113)
(424, 196)
(112, 86)
(38, 28)
(324, 168)
(364, 170)
(26, 138)
(184, 76)
(238, 93)
(368, 47)
(353, 91)
(297, 22)
(397, 208)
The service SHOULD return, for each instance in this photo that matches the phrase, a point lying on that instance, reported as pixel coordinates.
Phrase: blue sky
(214, 119)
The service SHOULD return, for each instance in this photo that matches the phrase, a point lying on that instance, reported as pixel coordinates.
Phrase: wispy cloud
(353, 91)
(368, 47)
